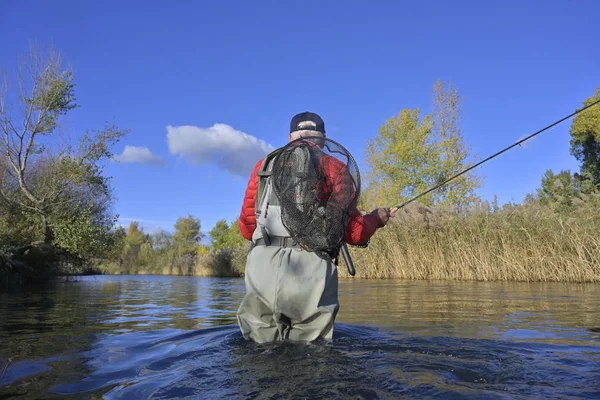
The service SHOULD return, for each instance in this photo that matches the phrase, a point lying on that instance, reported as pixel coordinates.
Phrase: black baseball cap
(307, 117)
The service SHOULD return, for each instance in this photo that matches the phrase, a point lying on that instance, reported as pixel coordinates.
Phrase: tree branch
(18, 203)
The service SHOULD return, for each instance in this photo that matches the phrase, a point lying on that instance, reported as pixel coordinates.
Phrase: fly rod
(394, 209)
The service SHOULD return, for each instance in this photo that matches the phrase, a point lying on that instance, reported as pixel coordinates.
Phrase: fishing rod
(394, 209)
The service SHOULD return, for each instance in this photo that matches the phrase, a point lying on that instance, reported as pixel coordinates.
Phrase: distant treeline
(180, 253)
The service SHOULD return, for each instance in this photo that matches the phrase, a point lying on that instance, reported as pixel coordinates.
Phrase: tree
(82, 236)
(117, 244)
(410, 154)
(558, 190)
(400, 160)
(135, 235)
(187, 234)
(225, 236)
(218, 235)
(453, 153)
(133, 241)
(42, 173)
(585, 143)
(234, 236)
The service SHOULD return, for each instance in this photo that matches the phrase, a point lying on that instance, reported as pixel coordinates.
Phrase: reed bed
(530, 243)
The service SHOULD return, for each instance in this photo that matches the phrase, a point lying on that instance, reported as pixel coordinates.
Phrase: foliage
(412, 153)
(162, 252)
(453, 152)
(218, 234)
(225, 236)
(558, 191)
(234, 236)
(585, 143)
(52, 188)
(83, 236)
(135, 236)
(42, 174)
(400, 160)
(187, 234)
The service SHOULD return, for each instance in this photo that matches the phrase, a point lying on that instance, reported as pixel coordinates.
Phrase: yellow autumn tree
(412, 153)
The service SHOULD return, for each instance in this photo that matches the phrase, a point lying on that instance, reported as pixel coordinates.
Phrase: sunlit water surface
(156, 337)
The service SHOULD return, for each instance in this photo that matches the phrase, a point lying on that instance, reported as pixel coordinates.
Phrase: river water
(161, 337)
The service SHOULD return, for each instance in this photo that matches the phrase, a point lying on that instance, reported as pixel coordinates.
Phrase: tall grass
(516, 243)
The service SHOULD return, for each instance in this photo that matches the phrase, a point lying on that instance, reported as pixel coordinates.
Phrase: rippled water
(161, 337)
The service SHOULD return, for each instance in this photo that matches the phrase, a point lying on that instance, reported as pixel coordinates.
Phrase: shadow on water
(359, 363)
(165, 337)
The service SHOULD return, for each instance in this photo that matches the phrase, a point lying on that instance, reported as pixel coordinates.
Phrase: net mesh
(317, 183)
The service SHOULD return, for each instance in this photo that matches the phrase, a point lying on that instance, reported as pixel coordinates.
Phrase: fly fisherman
(292, 293)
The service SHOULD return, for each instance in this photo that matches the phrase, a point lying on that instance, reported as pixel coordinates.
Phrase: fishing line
(493, 156)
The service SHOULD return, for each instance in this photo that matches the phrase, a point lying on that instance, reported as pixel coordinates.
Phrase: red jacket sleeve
(360, 228)
(247, 216)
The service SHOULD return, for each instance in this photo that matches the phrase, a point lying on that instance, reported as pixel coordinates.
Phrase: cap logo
(306, 124)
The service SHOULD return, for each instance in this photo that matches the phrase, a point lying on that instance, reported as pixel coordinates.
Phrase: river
(161, 337)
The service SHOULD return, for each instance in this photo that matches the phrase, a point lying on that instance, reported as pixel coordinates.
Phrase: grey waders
(291, 293)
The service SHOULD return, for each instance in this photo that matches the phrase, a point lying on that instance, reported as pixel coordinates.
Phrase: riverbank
(527, 243)
(39, 262)
(218, 263)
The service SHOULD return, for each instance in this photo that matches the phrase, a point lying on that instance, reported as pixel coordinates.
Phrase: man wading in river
(291, 288)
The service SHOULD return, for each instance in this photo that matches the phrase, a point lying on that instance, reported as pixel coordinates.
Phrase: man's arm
(247, 216)
(360, 227)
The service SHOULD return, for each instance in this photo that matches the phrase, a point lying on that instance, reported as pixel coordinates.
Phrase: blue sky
(188, 65)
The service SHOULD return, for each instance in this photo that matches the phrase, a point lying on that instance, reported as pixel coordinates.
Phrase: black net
(317, 183)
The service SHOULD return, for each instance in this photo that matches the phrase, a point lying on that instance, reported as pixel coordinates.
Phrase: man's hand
(383, 215)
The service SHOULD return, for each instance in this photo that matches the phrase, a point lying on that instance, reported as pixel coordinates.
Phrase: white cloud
(235, 151)
(139, 155)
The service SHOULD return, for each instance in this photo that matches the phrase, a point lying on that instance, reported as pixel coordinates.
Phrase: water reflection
(555, 312)
(172, 337)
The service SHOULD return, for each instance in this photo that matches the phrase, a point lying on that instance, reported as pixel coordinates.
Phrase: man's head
(306, 125)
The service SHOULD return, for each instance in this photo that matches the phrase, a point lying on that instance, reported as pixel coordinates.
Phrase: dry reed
(517, 243)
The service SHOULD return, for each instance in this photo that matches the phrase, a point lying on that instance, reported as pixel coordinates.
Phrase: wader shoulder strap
(263, 175)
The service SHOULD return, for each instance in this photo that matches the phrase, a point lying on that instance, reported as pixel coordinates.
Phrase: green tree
(82, 236)
(145, 254)
(234, 236)
(218, 235)
(585, 143)
(224, 236)
(411, 153)
(400, 160)
(117, 244)
(42, 173)
(187, 234)
(558, 190)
